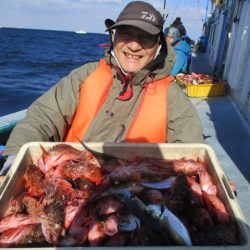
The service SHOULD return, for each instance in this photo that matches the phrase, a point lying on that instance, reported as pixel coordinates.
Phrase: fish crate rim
(207, 84)
(135, 145)
(121, 144)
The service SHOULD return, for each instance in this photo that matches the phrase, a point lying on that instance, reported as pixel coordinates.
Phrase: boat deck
(228, 133)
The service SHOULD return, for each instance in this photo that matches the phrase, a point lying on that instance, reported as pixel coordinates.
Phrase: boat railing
(8, 122)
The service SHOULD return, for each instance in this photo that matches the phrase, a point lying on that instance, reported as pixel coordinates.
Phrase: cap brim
(147, 27)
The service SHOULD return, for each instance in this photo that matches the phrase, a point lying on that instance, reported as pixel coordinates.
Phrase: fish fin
(95, 153)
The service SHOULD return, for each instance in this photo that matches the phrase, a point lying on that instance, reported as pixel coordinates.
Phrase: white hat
(173, 32)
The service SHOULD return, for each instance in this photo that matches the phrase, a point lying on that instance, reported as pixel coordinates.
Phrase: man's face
(169, 39)
(134, 48)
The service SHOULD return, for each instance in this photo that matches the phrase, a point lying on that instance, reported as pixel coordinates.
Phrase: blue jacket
(182, 50)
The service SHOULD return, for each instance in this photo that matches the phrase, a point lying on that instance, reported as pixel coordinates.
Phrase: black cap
(141, 15)
(109, 23)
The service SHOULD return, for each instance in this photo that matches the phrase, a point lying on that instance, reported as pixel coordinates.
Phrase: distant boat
(81, 31)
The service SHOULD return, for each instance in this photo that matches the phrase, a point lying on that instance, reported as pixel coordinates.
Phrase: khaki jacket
(50, 116)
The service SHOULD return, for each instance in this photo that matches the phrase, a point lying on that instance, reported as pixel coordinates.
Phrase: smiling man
(134, 48)
(129, 96)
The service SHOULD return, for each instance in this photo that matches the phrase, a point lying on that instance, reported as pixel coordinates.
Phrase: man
(126, 97)
(190, 42)
(177, 23)
(182, 50)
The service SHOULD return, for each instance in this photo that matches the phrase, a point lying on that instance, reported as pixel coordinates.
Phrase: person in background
(190, 42)
(204, 43)
(182, 50)
(177, 23)
(128, 96)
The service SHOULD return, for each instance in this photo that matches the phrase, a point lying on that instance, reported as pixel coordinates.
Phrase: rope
(175, 11)
(202, 19)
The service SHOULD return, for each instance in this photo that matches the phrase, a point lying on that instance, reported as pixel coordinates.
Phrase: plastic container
(205, 90)
(30, 153)
(179, 80)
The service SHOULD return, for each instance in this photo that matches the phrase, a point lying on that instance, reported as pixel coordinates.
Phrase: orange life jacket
(150, 121)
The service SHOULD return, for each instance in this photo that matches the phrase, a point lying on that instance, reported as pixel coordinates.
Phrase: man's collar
(113, 54)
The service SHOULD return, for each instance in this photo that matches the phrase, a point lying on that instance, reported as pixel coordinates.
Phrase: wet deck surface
(228, 133)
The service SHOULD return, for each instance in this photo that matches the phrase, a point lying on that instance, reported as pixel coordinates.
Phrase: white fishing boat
(81, 31)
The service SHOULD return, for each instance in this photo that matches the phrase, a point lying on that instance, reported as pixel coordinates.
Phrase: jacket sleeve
(49, 117)
(184, 125)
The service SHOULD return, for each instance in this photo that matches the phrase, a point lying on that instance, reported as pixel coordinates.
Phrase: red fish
(57, 155)
(80, 234)
(189, 167)
(206, 183)
(84, 169)
(33, 207)
(34, 181)
(16, 220)
(25, 234)
(195, 191)
(216, 207)
(15, 205)
(108, 206)
(110, 225)
(71, 211)
(201, 218)
(96, 234)
(53, 222)
(79, 227)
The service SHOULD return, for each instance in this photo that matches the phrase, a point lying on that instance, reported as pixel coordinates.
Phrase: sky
(89, 15)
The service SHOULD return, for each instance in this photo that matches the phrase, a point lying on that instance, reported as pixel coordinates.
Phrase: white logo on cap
(148, 16)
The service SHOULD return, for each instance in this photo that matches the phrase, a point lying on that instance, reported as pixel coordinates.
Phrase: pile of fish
(195, 78)
(78, 198)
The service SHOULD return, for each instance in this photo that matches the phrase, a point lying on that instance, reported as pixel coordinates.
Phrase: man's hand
(1, 179)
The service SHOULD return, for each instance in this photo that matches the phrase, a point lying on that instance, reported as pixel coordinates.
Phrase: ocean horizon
(43, 29)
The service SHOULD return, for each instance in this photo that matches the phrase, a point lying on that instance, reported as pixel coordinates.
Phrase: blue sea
(32, 61)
